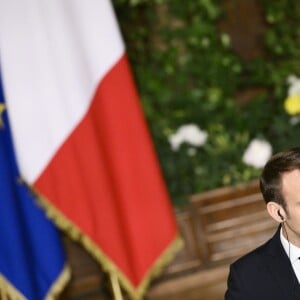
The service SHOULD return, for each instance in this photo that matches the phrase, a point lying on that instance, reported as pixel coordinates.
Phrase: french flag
(80, 136)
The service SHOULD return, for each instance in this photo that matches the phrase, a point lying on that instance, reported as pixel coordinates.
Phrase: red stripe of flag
(113, 189)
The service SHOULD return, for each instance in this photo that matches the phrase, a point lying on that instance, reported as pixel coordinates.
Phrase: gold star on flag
(2, 109)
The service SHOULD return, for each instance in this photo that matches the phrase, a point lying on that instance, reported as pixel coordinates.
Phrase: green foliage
(187, 72)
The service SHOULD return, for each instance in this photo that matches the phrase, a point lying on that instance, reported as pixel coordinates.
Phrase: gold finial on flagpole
(115, 286)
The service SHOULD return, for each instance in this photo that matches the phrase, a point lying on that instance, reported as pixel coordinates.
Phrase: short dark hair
(270, 180)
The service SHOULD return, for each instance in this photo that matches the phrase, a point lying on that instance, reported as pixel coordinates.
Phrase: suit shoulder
(251, 257)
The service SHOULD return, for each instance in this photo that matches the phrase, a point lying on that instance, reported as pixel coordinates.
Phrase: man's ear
(276, 211)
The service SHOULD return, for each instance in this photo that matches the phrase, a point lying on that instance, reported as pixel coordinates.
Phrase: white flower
(294, 85)
(257, 153)
(190, 134)
(175, 140)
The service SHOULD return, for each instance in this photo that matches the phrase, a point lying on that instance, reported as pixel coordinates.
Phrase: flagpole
(3, 295)
(115, 286)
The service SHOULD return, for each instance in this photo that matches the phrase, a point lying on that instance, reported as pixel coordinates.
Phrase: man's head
(270, 180)
(280, 187)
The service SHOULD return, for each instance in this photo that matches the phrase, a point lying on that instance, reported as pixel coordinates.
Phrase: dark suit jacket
(263, 274)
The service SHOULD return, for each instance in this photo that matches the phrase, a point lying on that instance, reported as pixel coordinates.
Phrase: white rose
(257, 153)
(190, 134)
(294, 85)
(175, 140)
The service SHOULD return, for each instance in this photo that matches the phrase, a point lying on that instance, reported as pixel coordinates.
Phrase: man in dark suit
(272, 271)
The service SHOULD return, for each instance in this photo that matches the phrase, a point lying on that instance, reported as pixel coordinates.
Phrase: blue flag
(32, 261)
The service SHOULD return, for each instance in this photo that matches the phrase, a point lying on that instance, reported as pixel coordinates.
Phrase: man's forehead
(290, 183)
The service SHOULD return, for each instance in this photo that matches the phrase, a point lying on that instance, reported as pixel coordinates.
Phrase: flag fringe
(8, 291)
(60, 283)
(136, 293)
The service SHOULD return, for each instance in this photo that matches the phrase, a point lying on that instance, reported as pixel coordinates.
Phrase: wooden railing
(220, 225)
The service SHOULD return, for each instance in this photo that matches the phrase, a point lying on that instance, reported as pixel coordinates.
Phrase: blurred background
(222, 65)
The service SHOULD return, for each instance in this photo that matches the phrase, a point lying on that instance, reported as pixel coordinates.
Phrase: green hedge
(187, 73)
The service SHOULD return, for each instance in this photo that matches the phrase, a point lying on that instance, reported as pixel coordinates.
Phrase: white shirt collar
(292, 251)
